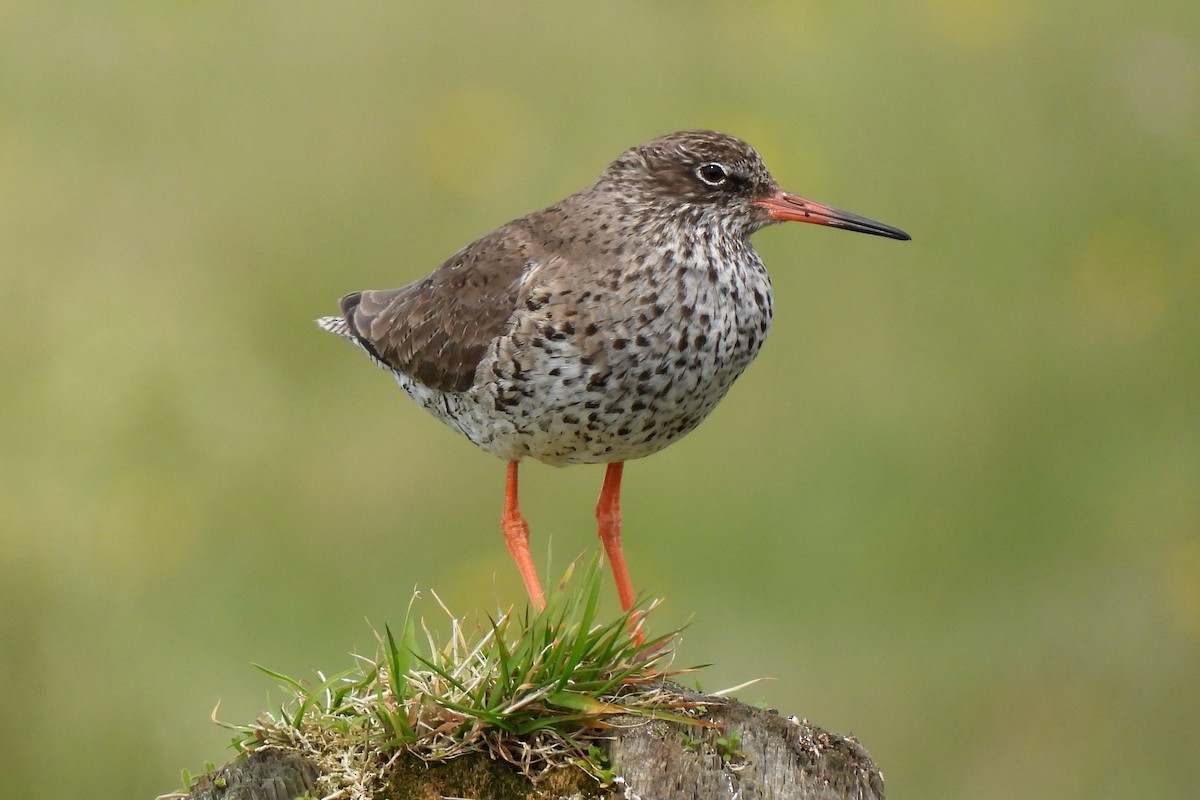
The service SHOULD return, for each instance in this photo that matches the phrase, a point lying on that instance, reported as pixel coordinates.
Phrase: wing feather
(438, 329)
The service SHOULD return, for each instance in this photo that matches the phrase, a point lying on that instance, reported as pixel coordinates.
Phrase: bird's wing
(438, 329)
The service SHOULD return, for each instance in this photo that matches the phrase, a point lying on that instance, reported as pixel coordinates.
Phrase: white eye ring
(712, 173)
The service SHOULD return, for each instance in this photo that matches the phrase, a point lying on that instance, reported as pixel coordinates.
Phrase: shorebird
(600, 329)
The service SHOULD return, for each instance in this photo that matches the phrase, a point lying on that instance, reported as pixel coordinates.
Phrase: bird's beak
(784, 206)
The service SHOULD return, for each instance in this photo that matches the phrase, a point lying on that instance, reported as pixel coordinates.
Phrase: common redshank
(598, 330)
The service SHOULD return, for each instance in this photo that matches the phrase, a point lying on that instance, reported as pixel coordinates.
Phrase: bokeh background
(953, 508)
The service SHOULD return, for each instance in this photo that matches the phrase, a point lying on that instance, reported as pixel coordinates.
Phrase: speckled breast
(614, 367)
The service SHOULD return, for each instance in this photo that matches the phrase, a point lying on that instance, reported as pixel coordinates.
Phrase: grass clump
(537, 690)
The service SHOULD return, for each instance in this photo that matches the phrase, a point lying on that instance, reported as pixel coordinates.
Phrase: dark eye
(712, 174)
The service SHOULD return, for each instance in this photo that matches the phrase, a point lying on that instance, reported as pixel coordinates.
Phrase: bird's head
(724, 181)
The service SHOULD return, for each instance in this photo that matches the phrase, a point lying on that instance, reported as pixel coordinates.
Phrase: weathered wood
(774, 758)
(762, 756)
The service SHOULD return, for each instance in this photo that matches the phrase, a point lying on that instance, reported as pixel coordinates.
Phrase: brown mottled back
(438, 329)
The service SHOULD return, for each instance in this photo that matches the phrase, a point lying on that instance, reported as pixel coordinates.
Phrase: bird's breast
(626, 361)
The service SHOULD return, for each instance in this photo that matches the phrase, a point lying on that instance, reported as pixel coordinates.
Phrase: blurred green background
(953, 508)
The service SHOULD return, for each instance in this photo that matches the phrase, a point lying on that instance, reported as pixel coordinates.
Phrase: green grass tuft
(534, 689)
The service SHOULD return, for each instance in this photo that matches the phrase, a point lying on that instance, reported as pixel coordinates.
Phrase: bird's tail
(337, 325)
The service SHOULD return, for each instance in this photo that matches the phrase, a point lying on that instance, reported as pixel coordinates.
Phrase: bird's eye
(713, 174)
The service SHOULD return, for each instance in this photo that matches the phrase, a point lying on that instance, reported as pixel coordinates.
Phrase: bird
(598, 330)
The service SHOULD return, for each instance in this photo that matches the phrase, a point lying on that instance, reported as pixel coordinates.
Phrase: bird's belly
(618, 419)
(563, 411)
(629, 411)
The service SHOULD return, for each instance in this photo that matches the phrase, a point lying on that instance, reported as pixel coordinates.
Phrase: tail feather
(342, 326)
(337, 325)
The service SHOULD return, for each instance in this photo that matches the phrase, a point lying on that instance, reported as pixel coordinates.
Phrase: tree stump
(747, 753)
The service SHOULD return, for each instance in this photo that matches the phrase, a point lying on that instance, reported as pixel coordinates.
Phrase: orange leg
(608, 514)
(516, 533)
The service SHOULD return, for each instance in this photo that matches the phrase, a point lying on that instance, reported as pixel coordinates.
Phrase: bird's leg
(516, 533)
(608, 514)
